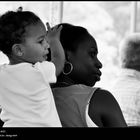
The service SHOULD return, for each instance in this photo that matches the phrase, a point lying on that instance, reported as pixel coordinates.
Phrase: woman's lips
(98, 75)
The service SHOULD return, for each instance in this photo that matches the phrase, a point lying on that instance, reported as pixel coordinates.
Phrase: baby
(25, 94)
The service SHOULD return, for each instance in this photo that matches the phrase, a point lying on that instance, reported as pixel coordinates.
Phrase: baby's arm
(57, 52)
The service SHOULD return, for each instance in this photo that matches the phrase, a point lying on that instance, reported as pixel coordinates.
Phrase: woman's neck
(64, 81)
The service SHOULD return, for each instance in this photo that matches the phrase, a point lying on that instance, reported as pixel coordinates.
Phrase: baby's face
(35, 44)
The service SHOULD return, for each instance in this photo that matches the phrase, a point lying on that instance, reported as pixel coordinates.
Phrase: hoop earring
(67, 68)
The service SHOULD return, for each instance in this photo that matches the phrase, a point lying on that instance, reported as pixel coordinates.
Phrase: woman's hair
(71, 36)
(12, 28)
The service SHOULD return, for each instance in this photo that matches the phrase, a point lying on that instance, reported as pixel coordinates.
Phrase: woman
(79, 104)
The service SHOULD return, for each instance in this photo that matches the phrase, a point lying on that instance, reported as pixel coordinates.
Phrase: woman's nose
(99, 64)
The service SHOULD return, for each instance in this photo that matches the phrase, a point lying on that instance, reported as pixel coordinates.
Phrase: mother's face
(85, 63)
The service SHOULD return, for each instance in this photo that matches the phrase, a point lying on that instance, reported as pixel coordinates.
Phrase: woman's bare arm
(105, 110)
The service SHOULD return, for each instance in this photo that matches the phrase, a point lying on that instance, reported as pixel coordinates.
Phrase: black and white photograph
(69, 64)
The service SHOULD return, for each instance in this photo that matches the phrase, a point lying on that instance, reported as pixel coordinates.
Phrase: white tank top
(90, 123)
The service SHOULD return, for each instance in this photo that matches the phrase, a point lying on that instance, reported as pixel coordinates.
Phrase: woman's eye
(92, 54)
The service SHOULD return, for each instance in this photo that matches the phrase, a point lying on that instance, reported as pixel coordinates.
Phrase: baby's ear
(17, 50)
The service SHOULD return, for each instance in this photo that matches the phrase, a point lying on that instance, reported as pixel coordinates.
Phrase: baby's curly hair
(12, 28)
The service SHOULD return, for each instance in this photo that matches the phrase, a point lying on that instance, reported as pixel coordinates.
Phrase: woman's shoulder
(104, 101)
(105, 110)
(103, 93)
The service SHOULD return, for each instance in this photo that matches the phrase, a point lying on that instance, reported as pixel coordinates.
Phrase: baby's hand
(57, 51)
(53, 33)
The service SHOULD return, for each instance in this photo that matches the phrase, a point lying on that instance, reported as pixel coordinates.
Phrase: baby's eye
(41, 41)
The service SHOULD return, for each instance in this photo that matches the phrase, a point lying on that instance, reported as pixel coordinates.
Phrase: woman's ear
(17, 49)
(68, 55)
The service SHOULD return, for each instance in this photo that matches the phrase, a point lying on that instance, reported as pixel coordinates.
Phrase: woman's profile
(78, 102)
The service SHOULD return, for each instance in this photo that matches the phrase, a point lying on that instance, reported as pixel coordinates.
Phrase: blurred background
(107, 21)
